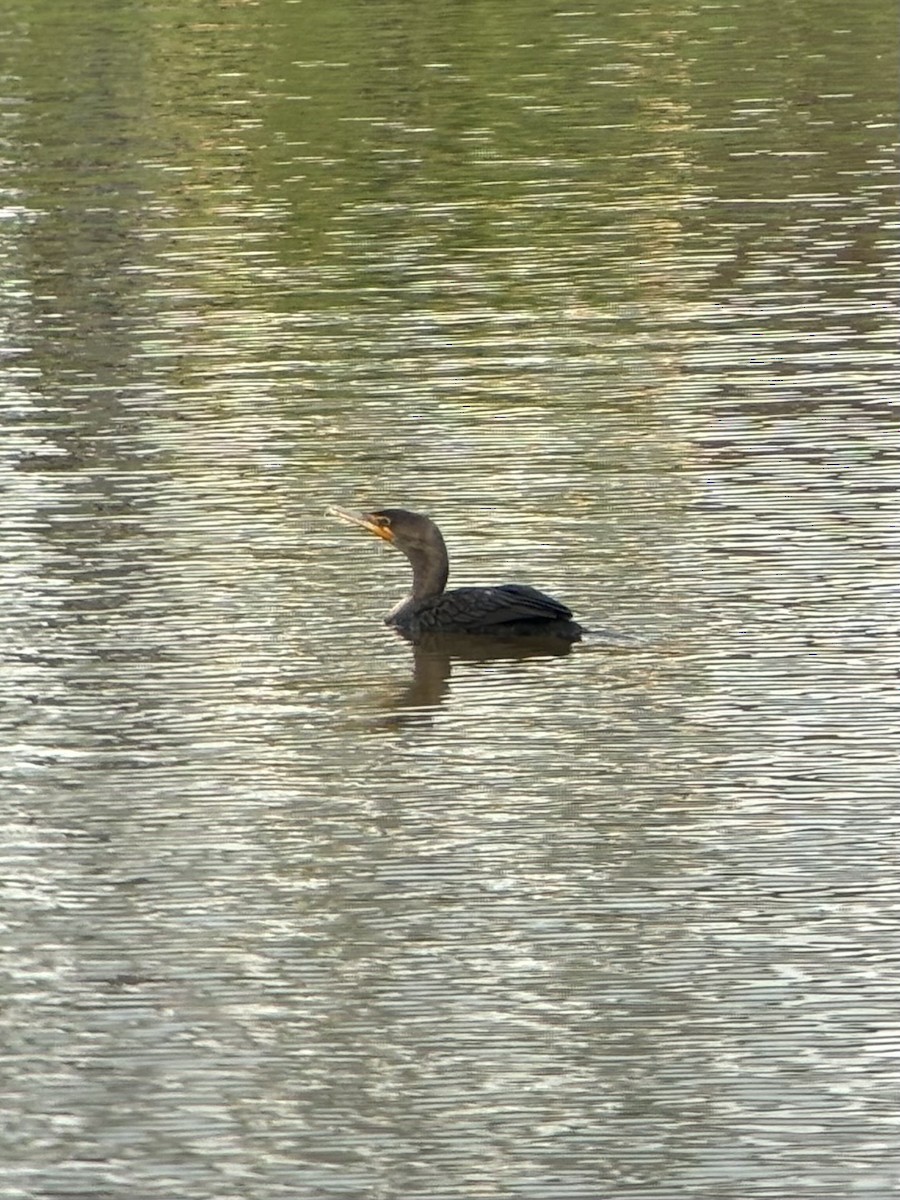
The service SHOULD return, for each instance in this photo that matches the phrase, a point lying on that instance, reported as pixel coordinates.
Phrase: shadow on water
(433, 659)
(434, 656)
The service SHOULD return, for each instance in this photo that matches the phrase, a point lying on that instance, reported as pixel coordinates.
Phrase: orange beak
(380, 526)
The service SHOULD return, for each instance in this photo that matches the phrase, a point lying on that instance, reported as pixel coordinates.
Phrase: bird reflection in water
(434, 658)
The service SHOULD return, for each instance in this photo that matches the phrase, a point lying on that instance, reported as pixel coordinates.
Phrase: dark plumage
(509, 610)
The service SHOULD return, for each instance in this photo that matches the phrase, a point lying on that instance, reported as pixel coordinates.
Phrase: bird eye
(385, 522)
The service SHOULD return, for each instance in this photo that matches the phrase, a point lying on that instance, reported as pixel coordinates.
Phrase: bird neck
(430, 573)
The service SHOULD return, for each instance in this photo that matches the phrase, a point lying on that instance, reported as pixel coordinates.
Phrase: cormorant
(508, 610)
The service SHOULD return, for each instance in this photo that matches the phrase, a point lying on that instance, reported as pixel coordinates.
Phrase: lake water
(290, 910)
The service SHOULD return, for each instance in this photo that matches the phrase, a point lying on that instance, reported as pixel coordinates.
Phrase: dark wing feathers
(469, 608)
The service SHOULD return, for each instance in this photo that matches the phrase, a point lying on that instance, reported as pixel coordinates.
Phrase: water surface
(290, 910)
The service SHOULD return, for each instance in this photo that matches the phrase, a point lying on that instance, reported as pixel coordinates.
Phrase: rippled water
(291, 910)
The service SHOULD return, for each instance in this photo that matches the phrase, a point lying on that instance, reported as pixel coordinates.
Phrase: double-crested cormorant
(511, 609)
